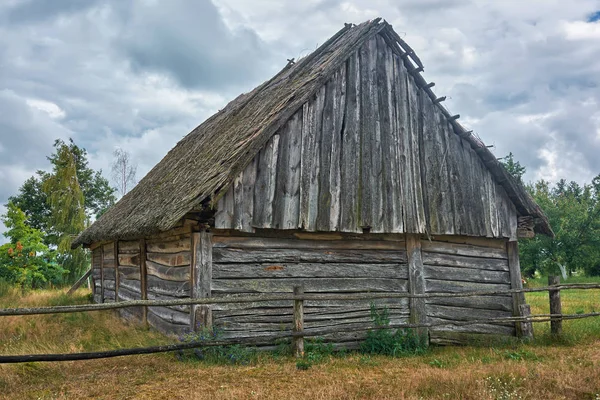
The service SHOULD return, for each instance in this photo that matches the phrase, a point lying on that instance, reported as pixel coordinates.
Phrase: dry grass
(540, 370)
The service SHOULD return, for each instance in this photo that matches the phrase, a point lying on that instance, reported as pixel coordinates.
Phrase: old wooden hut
(342, 173)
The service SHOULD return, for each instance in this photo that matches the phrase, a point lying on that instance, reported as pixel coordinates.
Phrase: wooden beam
(416, 285)
(439, 100)
(102, 274)
(81, 280)
(430, 85)
(116, 256)
(143, 280)
(201, 316)
(555, 306)
(298, 322)
(518, 299)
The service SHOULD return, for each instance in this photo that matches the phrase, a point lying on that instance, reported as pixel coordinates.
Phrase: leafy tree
(33, 200)
(26, 260)
(513, 167)
(67, 208)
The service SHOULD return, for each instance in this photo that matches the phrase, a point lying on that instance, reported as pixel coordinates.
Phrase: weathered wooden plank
(264, 187)
(154, 296)
(308, 270)
(350, 153)
(166, 327)
(129, 246)
(225, 210)
(473, 328)
(266, 285)
(287, 193)
(512, 250)
(143, 280)
(117, 277)
(171, 246)
(466, 313)
(499, 244)
(178, 274)
(176, 289)
(238, 200)
(108, 251)
(503, 303)
(133, 286)
(462, 249)
(325, 150)
(465, 274)
(335, 178)
(268, 316)
(109, 285)
(170, 259)
(274, 243)
(247, 202)
(442, 286)
(108, 263)
(416, 284)
(127, 293)
(310, 305)
(454, 161)
(449, 260)
(450, 338)
(202, 280)
(129, 260)
(310, 161)
(101, 250)
(391, 185)
(235, 255)
(109, 273)
(170, 315)
(129, 273)
(413, 162)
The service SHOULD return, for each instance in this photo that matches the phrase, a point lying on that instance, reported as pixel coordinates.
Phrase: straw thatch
(212, 155)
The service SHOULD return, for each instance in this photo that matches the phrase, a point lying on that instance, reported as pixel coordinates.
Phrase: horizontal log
(309, 305)
(465, 314)
(235, 255)
(109, 284)
(129, 246)
(174, 246)
(108, 263)
(286, 285)
(170, 260)
(342, 315)
(275, 243)
(127, 294)
(450, 338)
(171, 288)
(465, 274)
(471, 328)
(166, 327)
(129, 273)
(463, 250)
(441, 286)
(109, 273)
(108, 250)
(503, 303)
(171, 315)
(492, 264)
(130, 284)
(170, 235)
(177, 274)
(499, 244)
(310, 270)
(182, 308)
(131, 260)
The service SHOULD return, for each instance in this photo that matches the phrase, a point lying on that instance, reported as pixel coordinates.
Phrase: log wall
(478, 265)
(97, 274)
(253, 265)
(369, 151)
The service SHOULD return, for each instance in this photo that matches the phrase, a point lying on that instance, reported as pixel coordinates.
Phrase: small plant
(519, 355)
(438, 363)
(386, 341)
(303, 364)
(234, 354)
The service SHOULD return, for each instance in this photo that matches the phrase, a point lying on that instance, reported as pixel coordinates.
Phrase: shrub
(233, 354)
(387, 341)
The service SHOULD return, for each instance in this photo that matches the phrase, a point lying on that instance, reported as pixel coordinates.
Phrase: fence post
(298, 341)
(555, 306)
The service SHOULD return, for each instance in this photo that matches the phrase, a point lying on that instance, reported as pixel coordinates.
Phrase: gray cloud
(141, 74)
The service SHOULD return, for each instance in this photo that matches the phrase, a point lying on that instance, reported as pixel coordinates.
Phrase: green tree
(513, 167)
(67, 208)
(26, 260)
(33, 200)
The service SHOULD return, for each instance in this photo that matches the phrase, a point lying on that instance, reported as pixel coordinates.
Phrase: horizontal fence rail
(269, 339)
(299, 333)
(279, 297)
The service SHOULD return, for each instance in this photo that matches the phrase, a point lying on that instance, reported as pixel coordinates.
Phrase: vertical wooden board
(454, 162)
(387, 122)
(264, 188)
(201, 315)
(224, 214)
(431, 166)
(143, 280)
(416, 283)
(350, 153)
(512, 249)
(324, 202)
(371, 196)
(116, 257)
(248, 180)
(472, 204)
(238, 199)
(339, 107)
(492, 204)
(483, 194)
(397, 149)
(310, 165)
(286, 199)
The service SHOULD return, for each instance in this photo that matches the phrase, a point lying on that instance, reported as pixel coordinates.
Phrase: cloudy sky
(524, 74)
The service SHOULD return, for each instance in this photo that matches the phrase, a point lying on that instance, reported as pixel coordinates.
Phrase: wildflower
(10, 251)
(19, 247)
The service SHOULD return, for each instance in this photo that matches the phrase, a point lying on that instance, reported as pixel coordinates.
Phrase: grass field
(546, 368)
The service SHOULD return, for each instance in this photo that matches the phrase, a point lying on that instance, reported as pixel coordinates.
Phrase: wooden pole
(523, 329)
(143, 280)
(201, 315)
(79, 282)
(298, 322)
(555, 306)
(116, 257)
(416, 285)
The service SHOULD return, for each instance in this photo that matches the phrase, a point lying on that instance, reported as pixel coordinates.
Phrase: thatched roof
(212, 155)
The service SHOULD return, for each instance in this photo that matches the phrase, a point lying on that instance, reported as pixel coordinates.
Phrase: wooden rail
(279, 297)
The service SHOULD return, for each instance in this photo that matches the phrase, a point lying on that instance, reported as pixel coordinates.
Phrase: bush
(233, 354)
(388, 342)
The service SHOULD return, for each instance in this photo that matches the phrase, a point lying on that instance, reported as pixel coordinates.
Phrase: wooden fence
(555, 317)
